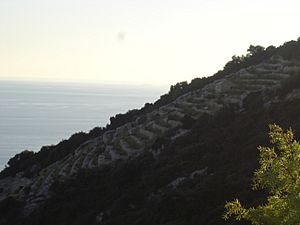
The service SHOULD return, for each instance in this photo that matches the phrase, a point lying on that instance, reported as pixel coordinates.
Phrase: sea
(35, 114)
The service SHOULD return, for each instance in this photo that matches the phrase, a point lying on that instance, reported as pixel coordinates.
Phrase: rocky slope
(137, 137)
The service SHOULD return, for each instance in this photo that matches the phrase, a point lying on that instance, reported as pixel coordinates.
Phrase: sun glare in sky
(135, 41)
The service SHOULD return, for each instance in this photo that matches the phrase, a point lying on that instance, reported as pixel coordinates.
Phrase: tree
(279, 173)
(254, 50)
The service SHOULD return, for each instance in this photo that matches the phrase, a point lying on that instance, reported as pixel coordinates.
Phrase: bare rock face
(136, 137)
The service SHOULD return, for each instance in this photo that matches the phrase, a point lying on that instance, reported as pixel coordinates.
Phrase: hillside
(174, 162)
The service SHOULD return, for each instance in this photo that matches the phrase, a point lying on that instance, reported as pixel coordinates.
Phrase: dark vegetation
(31, 163)
(137, 192)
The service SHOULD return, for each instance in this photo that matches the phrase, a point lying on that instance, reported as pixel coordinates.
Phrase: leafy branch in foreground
(279, 174)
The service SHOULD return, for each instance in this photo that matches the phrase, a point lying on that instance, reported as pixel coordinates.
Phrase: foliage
(31, 163)
(50, 154)
(23, 156)
(279, 173)
(289, 85)
(133, 192)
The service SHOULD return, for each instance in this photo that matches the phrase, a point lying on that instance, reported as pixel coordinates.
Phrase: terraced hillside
(136, 137)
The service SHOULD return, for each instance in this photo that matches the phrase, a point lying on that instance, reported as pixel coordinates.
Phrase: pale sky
(135, 41)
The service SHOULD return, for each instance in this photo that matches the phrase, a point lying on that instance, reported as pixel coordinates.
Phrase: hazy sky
(135, 41)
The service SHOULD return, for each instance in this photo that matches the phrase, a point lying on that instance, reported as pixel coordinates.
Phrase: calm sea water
(35, 114)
